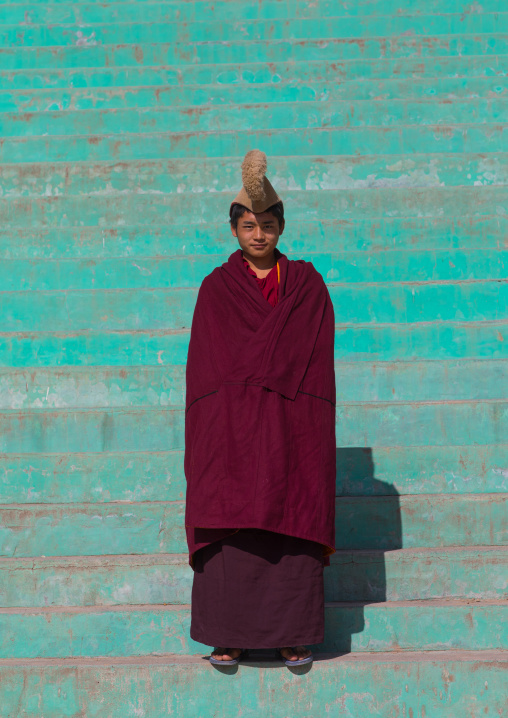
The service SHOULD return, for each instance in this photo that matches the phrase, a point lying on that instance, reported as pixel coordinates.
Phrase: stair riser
(380, 113)
(438, 574)
(371, 140)
(386, 523)
(165, 385)
(130, 96)
(236, 52)
(248, 74)
(301, 238)
(286, 173)
(151, 273)
(148, 476)
(361, 8)
(361, 343)
(173, 210)
(96, 33)
(171, 309)
(355, 628)
(162, 429)
(392, 576)
(93, 12)
(443, 688)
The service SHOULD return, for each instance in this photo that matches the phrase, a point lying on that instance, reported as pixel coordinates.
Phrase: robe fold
(260, 407)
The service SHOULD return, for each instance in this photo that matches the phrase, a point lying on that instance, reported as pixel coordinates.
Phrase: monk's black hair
(238, 210)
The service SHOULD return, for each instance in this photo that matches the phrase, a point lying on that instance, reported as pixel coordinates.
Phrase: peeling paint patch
(84, 41)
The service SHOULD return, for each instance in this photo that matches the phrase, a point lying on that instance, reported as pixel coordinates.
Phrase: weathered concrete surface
(242, 51)
(356, 575)
(164, 309)
(330, 27)
(445, 684)
(145, 428)
(105, 476)
(87, 12)
(82, 387)
(348, 268)
(75, 98)
(76, 430)
(360, 342)
(430, 625)
(158, 208)
(203, 176)
(340, 114)
(68, 274)
(329, 234)
(379, 522)
(463, 138)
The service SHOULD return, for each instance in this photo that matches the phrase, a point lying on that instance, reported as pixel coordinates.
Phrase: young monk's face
(258, 234)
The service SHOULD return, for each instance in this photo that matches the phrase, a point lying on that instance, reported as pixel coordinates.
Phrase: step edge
(97, 561)
(214, 134)
(158, 608)
(343, 498)
(484, 656)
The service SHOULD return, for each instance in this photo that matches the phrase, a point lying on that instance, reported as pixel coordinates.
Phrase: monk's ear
(233, 231)
(282, 224)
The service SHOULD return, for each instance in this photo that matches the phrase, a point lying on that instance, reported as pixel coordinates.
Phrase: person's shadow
(368, 523)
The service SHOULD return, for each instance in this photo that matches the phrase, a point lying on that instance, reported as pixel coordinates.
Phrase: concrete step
(230, 76)
(291, 27)
(396, 266)
(108, 387)
(166, 309)
(82, 13)
(381, 522)
(153, 428)
(463, 138)
(304, 237)
(298, 115)
(441, 684)
(340, 172)
(148, 210)
(432, 625)
(40, 99)
(356, 575)
(390, 341)
(240, 51)
(138, 476)
(274, 7)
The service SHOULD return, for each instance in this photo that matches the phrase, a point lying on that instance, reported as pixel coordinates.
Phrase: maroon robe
(260, 407)
(269, 285)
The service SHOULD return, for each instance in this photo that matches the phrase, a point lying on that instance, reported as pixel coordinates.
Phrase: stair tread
(238, 75)
(487, 655)
(163, 607)
(176, 558)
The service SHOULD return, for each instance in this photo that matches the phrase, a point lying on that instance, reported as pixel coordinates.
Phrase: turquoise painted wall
(123, 126)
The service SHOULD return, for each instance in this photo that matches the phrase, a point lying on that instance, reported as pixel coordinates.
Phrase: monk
(260, 440)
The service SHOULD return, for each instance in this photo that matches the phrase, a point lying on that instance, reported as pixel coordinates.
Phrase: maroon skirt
(258, 589)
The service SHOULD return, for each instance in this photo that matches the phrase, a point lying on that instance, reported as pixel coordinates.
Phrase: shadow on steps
(359, 579)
